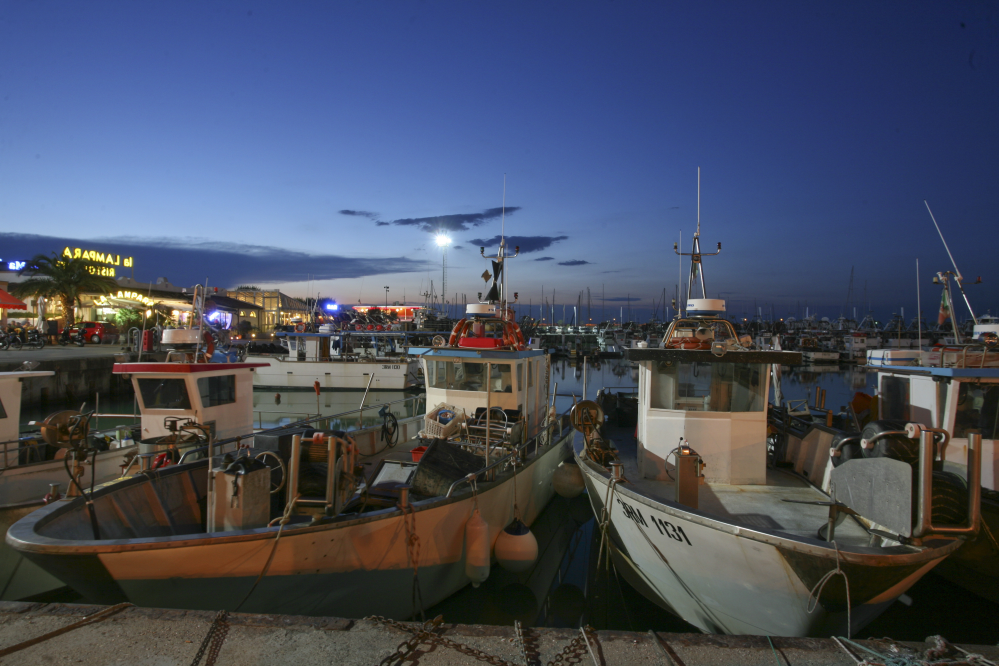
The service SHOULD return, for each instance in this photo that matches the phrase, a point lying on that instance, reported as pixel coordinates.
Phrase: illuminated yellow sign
(126, 296)
(108, 258)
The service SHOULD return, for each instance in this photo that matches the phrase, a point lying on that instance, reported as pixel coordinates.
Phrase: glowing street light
(386, 296)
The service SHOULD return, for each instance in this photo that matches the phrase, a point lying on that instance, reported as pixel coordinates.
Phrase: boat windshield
(164, 393)
(977, 410)
(457, 375)
(217, 391)
(711, 329)
(709, 387)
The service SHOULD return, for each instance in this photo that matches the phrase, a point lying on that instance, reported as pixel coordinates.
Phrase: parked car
(96, 331)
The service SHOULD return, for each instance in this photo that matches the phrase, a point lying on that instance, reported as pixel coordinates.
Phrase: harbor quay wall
(75, 379)
(146, 636)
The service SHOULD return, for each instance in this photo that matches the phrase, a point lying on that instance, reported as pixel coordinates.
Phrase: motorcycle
(76, 338)
(34, 339)
(9, 339)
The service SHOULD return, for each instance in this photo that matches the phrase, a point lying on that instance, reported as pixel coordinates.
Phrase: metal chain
(575, 651)
(413, 553)
(520, 642)
(427, 633)
(213, 639)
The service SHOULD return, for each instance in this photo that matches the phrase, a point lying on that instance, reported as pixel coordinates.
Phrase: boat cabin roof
(706, 356)
(181, 368)
(952, 373)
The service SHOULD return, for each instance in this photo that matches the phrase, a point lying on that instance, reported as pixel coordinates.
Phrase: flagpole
(919, 308)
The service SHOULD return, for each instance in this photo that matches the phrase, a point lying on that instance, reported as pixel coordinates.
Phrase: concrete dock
(80, 372)
(158, 637)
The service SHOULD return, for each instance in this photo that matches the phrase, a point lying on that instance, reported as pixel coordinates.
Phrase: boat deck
(773, 507)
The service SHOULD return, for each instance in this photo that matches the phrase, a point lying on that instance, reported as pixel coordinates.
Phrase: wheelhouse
(215, 395)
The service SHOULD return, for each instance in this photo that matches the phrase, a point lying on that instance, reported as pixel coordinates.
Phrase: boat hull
(348, 568)
(729, 579)
(284, 375)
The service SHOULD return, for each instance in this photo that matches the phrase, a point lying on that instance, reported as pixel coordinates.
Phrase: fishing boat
(339, 360)
(350, 527)
(953, 387)
(705, 520)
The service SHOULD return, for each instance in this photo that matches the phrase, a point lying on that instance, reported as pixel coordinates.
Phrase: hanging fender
(209, 343)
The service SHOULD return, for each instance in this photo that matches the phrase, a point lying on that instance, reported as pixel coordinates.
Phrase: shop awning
(8, 302)
(227, 303)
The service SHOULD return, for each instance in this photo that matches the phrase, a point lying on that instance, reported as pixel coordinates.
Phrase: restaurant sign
(126, 296)
(110, 260)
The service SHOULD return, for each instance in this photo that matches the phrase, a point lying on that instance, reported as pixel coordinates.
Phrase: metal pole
(585, 361)
(489, 395)
(293, 466)
(331, 477)
(361, 408)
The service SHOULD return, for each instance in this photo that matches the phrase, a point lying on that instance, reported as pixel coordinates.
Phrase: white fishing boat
(705, 521)
(357, 527)
(339, 361)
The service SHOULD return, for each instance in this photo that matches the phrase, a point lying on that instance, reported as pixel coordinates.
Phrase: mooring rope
(813, 598)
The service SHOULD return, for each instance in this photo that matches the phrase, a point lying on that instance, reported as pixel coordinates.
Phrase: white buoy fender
(516, 548)
(477, 549)
(568, 480)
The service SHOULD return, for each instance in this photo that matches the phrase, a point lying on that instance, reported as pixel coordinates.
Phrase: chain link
(573, 653)
(213, 639)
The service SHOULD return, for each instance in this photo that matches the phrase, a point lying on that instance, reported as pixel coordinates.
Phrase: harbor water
(565, 589)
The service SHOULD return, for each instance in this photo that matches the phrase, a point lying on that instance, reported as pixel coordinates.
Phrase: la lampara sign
(109, 260)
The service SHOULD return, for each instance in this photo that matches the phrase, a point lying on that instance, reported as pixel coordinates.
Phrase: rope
(90, 619)
(813, 598)
(605, 514)
(270, 558)
(936, 654)
(413, 555)
(774, 650)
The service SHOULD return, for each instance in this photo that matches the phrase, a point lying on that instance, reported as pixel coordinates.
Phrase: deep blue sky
(271, 142)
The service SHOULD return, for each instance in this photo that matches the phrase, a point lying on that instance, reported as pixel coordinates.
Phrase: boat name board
(664, 527)
(390, 367)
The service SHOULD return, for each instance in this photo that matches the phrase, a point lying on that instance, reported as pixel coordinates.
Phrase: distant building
(277, 309)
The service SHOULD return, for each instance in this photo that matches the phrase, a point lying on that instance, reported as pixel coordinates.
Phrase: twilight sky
(317, 146)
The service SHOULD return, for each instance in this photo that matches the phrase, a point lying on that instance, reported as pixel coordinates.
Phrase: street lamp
(386, 297)
(443, 240)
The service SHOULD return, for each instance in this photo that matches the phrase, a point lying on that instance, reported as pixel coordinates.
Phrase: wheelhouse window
(469, 376)
(169, 393)
(217, 391)
(977, 410)
(708, 387)
(710, 330)
(895, 398)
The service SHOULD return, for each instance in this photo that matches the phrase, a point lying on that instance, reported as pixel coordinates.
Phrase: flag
(944, 308)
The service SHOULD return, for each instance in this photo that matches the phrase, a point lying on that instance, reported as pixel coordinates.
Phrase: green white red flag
(944, 308)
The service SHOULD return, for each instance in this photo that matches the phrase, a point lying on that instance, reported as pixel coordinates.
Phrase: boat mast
(957, 272)
(695, 253)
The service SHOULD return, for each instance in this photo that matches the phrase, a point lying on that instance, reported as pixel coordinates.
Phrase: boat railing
(517, 451)
(414, 401)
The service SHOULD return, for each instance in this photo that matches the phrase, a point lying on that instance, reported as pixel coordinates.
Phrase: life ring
(456, 332)
(300, 328)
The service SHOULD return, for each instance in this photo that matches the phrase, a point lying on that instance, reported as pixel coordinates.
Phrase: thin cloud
(545, 259)
(361, 213)
(526, 243)
(573, 262)
(187, 261)
(453, 223)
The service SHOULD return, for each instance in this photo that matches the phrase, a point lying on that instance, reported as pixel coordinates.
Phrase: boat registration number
(390, 367)
(665, 528)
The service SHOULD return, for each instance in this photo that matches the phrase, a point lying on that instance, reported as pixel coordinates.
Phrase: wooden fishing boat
(707, 522)
(352, 527)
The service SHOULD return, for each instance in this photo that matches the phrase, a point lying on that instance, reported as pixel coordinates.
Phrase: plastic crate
(434, 429)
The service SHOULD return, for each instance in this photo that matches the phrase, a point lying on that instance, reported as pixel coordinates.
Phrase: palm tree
(65, 278)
